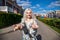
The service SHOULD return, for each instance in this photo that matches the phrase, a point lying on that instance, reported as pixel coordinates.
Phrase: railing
(4, 8)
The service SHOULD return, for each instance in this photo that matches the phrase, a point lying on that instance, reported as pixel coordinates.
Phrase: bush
(7, 19)
(51, 21)
(57, 24)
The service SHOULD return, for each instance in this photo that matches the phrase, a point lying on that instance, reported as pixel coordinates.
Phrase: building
(54, 14)
(44, 15)
(51, 14)
(36, 14)
(10, 6)
(57, 13)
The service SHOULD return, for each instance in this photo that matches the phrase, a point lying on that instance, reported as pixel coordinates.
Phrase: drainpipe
(13, 5)
(5, 2)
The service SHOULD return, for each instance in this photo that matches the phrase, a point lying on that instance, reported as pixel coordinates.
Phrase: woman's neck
(28, 19)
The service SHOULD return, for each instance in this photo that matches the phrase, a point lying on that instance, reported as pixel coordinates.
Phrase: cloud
(24, 4)
(17, 1)
(43, 11)
(33, 7)
(54, 4)
(27, 4)
(20, 2)
(37, 5)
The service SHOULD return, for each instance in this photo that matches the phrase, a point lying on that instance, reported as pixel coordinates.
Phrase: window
(0, 2)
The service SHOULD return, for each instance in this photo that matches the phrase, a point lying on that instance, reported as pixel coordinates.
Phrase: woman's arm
(15, 27)
(19, 26)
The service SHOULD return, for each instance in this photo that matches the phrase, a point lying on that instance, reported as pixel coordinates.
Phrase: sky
(40, 6)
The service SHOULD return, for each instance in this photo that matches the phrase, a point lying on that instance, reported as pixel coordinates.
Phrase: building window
(0, 2)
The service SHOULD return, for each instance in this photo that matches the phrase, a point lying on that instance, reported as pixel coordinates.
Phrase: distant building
(44, 15)
(41, 15)
(10, 6)
(57, 13)
(37, 15)
(51, 14)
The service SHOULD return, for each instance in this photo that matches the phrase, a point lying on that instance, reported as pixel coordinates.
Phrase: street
(45, 32)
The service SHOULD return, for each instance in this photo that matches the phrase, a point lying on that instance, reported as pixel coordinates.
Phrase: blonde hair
(24, 15)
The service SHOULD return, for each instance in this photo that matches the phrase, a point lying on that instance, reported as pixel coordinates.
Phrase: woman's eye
(27, 12)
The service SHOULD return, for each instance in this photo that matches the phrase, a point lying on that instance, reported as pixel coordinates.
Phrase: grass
(56, 29)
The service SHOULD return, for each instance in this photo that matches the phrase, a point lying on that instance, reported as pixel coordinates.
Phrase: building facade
(10, 6)
(54, 14)
(58, 13)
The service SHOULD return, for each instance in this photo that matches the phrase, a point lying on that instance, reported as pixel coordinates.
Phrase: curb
(6, 30)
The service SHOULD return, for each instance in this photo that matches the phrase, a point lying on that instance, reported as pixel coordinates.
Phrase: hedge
(51, 21)
(7, 19)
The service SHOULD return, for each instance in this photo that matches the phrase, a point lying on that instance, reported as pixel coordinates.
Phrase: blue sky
(40, 6)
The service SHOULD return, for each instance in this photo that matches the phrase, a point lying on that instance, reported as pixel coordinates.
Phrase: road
(44, 31)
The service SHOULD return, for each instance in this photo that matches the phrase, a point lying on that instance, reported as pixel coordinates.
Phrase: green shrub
(57, 24)
(7, 19)
(51, 21)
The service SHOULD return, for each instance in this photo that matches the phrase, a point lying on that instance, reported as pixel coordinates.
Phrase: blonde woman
(28, 25)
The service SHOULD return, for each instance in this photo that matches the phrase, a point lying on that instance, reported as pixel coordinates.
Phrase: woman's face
(29, 14)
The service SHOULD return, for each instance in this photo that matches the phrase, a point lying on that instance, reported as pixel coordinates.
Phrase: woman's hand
(20, 27)
(17, 26)
(35, 26)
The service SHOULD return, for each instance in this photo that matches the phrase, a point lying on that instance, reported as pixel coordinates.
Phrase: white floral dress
(31, 31)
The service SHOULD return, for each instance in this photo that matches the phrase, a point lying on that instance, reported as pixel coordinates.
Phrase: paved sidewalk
(5, 30)
(45, 32)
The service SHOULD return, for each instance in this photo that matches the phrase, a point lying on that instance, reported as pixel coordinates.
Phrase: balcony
(6, 9)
